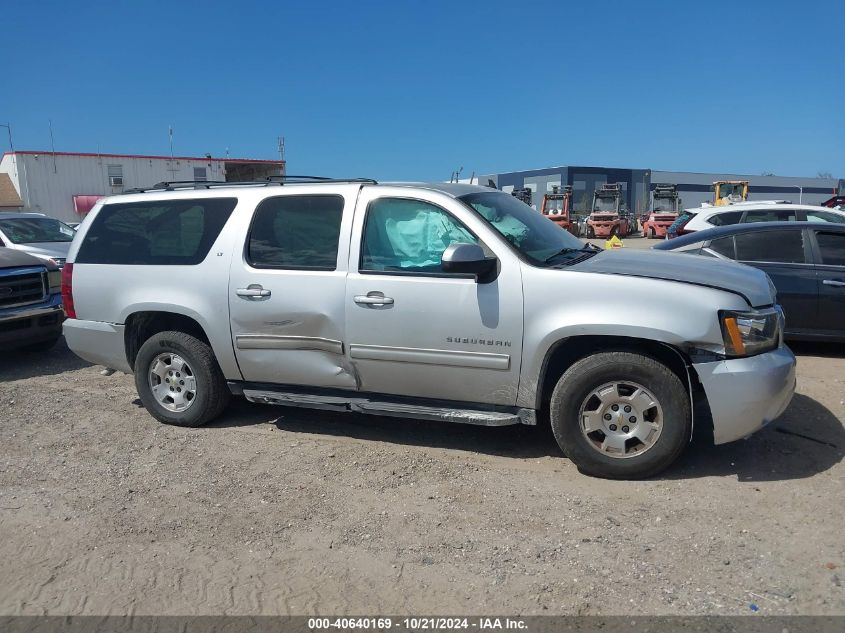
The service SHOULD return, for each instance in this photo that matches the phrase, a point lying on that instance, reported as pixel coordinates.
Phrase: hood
(12, 258)
(750, 283)
(45, 249)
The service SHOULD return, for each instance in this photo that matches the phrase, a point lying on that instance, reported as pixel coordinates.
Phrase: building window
(200, 174)
(115, 175)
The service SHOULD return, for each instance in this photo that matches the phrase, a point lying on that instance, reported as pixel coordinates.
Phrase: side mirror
(469, 259)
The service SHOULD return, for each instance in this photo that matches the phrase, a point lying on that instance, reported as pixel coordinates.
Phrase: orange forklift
(665, 206)
(606, 219)
(557, 206)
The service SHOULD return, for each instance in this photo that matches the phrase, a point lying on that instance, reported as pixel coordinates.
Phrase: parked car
(761, 211)
(805, 260)
(30, 302)
(445, 302)
(36, 234)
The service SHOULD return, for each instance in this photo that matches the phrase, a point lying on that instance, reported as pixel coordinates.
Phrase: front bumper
(26, 325)
(745, 394)
(97, 342)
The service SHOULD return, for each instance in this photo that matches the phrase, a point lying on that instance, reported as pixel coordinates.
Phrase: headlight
(750, 333)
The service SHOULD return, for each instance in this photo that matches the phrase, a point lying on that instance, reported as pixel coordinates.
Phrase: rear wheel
(620, 415)
(179, 381)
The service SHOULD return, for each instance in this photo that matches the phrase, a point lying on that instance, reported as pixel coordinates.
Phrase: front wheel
(179, 381)
(621, 415)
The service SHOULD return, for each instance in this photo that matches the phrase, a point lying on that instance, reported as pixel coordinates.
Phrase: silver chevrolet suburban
(435, 301)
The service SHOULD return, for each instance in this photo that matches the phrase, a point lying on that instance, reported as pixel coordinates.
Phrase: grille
(20, 288)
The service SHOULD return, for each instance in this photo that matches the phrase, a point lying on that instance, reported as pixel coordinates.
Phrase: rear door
(287, 288)
(830, 272)
(414, 330)
(786, 257)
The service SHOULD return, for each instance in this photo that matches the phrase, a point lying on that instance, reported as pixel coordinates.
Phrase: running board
(395, 409)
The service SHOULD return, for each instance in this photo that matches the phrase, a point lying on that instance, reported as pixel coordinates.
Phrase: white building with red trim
(65, 185)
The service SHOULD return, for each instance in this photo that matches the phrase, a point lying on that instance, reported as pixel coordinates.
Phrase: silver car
(443, 302)
(46, 238)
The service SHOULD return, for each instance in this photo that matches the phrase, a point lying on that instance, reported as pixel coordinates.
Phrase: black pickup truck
(30, 302)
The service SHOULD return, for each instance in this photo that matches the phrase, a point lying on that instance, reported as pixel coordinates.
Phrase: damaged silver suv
(436, 301)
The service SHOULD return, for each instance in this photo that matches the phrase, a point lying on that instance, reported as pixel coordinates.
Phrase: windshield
(554, 207)
(605, 204)
(529, 232)
(34, 230)
(664, 205)
(730, 190)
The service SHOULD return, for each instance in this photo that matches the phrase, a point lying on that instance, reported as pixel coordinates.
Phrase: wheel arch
(141, 325)
(564, 352)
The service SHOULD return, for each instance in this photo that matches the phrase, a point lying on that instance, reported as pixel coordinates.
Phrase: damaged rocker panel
(375, 405)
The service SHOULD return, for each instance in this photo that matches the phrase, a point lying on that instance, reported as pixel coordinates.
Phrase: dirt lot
(277, 511)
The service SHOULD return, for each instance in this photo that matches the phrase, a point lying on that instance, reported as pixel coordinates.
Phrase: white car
(759, 211)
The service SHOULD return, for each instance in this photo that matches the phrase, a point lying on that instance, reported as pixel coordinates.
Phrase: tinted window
(160, 232)
(409, 236)
(770, 246)
(825, 216)
(296, 232)
(724, 246)
(832, 247)
(774, 215)
(724, 219)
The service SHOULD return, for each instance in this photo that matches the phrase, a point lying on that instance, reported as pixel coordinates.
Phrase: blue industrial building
(693, 188)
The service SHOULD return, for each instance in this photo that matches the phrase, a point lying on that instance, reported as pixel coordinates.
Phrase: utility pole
(53, 146)
(281, 141)
(8, 126)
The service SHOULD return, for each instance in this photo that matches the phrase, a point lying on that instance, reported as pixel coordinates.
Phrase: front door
(414, 330)
(286, 293)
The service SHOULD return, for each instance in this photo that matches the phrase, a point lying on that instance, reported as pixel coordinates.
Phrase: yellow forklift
(727, 192)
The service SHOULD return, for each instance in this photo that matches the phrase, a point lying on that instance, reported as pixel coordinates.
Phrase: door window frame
(817, 251)
(246, 255)
(808, 250)
(409, 273)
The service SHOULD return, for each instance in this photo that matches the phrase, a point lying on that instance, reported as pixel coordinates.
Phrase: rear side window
(771, 246)
(825, 216)
(773, 215)
(160, 232)
(724, 246)
(832, 247)
(724, 219)
(296, 233)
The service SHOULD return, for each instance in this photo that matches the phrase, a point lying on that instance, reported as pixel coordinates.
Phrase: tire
(578, 388)
(591, 234)
(652, 235)
(199, 369)
(42, 346)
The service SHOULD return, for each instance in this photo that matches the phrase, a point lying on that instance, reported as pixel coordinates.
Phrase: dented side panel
(295, 334)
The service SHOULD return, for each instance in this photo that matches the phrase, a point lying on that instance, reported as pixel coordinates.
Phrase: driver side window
(403, 235)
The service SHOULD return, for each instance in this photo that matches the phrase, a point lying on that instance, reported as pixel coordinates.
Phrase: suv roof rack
(173, 185)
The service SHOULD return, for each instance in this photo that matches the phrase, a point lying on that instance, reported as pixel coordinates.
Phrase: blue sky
(414, 90)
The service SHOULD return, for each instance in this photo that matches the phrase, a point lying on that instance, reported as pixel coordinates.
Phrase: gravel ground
(285, 511)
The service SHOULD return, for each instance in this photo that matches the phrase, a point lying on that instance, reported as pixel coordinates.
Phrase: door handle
(834, 282)
(373, 300)
(253, 291)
